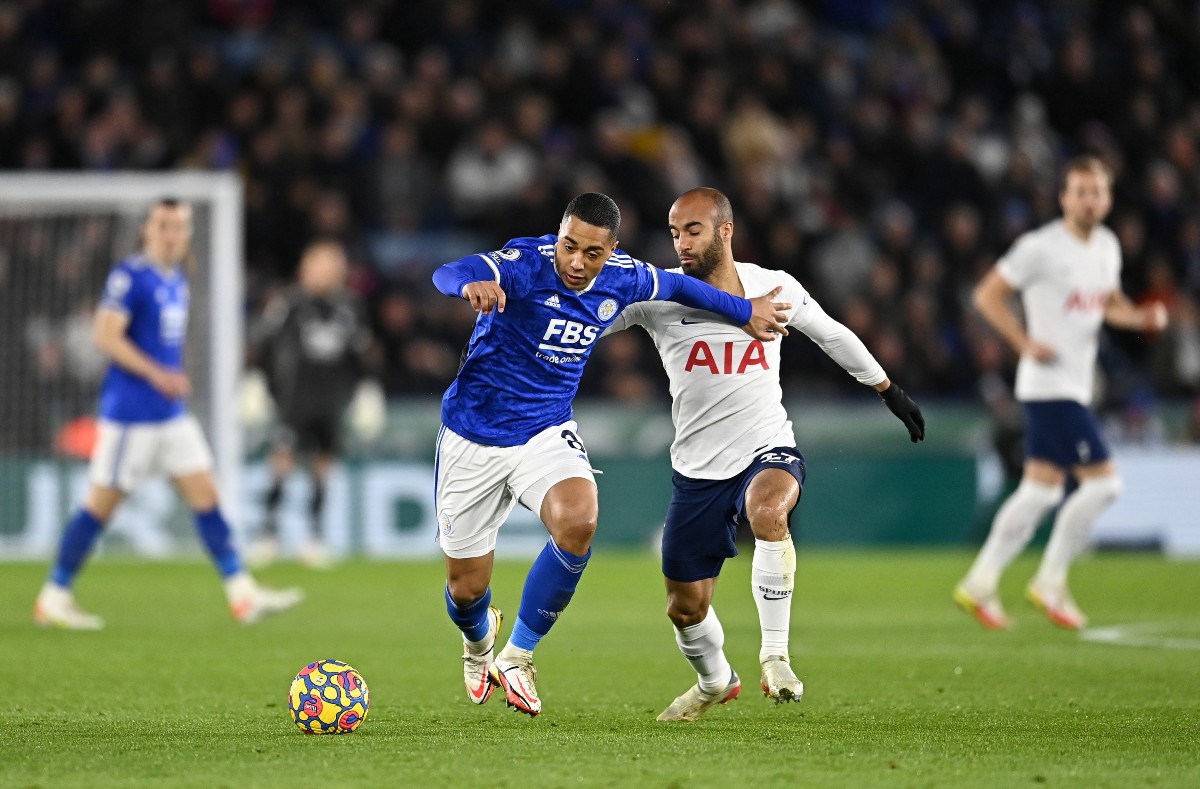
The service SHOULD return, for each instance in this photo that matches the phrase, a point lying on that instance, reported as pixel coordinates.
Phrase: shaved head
(722, 210)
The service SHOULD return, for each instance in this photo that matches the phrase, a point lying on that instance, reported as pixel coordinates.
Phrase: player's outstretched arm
(762, 318)
(473, 280)
(484, 296)
(904, 407)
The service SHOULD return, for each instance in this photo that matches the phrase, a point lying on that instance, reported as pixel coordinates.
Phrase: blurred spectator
(885, 153)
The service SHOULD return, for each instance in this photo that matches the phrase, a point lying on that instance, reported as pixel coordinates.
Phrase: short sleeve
(118, 291)
(1019, 266)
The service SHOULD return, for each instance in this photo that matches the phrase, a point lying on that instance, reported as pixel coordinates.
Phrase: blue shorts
(1064, 433)
(704, 515)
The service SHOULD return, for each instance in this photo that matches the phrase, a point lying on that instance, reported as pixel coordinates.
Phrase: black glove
(905, 410)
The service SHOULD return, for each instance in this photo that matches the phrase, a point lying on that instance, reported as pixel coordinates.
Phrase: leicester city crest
(607, 309)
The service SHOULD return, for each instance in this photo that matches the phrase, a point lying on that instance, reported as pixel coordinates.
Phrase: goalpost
(60, 234)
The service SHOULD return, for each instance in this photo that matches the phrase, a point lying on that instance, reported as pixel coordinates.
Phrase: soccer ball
(328, 697)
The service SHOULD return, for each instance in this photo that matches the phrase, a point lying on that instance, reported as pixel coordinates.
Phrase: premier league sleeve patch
(607, 309)
(501, 255)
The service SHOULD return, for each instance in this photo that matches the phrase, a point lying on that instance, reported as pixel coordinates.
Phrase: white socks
(1072, 528)
(514, 654)
(772, 580)
(1012, 529)
(702, 644)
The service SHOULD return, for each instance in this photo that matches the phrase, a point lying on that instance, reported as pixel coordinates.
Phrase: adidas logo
(552, 301)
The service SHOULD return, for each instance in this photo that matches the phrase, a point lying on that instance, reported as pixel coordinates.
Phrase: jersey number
(573, 441)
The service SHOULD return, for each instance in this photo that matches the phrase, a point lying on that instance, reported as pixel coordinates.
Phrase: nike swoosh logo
(481, 691)
(783, 596)
(686, 322)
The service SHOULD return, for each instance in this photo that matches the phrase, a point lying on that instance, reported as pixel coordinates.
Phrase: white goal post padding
(61, 213)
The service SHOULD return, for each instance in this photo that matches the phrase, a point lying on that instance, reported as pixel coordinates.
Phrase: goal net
(59, 236)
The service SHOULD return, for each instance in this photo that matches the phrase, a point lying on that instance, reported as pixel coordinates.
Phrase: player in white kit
(734, 456)
(1068, 275)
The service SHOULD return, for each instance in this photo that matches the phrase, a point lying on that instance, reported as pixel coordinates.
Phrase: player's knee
(685, 612)
(768, 520)
(1104, 489)
(466, 590)
(572, 527)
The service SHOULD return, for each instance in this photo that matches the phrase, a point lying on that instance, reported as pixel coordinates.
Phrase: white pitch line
(1139, 635)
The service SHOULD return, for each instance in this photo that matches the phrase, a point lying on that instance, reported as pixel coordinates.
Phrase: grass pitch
(901, 689)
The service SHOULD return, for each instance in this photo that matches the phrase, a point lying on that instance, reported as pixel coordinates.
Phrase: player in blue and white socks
(508, 434)
(145, 428)
(734, 453)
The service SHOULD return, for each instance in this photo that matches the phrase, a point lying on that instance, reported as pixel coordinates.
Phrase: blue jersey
(156, 302)
(522, 366)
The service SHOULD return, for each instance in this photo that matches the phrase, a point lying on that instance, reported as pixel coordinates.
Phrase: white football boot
(477, 668)
(986, 608)
(779, 682)
(695, 702)
(250, 602)
(518, 680)
(1058, 606)
(56, 607)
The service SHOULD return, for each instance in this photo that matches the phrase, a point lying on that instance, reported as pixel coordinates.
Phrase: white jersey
(726, 401)
(1065, 283)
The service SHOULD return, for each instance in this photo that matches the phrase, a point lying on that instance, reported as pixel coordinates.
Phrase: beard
(707, 260)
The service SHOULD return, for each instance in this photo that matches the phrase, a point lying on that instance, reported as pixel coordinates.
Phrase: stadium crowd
(886, 153)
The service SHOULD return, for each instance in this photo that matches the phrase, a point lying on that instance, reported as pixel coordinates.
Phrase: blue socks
(218, 539)
(82, 530)
(548, 588)
(78, 538)
(471, 618)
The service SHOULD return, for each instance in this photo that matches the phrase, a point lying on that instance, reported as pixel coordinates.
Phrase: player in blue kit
(145, 427)
(508, 434)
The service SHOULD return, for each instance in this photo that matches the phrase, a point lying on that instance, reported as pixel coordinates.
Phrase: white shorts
(478, 485)
(127, 453)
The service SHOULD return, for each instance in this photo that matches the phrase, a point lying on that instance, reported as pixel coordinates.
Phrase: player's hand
(484, 296)
(906, 410)
(172, 384)
(769, 317)
(1039, 351)
(1154, 316)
